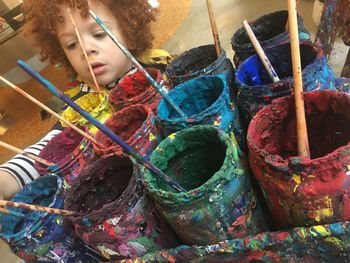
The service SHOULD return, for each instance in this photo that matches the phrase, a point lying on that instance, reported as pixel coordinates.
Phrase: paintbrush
(43, 106)
(29, 155)
(156, 85)
(126, 147)
(302, 136)
(264, 59)
(214, 28)
(11, 213)
(38, 208)
(98, 90)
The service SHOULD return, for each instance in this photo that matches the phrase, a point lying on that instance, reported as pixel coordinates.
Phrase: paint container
(302, 191)
(198, 62)
(119, 219)
(256, 89)
(135, 124)
(70, 151)
(219, 203)
(136, 89)
(205, 100)
(270, 30)
(41, 236)
(323, 243)
(96, 104)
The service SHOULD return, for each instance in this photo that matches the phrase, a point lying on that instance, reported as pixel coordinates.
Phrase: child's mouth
(98, 68)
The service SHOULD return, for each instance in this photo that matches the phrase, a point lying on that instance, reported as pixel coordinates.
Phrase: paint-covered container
(304, 191)
(219, 202)
(41, 236)
(270, 30)
(96, 104)
(256, 89)
(322, 243)
(197, 62)
(70, 151)
(135, 125)
(135, 88)
(119, 219)
(204, 100)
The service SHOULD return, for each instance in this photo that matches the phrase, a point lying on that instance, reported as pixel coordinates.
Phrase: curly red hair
(41, 17)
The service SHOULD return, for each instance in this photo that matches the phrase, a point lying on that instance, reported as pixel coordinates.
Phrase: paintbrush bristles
(43, 106)
(302, 136)
(31, 156)
(37, 208)
(264, 59)
(98, 89)
(214, 28)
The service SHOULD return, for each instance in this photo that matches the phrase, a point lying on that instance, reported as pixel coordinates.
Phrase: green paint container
(219, 203)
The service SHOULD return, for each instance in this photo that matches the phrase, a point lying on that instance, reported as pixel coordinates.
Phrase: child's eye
(71, 45)
(99, 34)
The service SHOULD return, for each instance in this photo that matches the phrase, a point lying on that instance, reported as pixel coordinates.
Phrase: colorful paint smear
(96, 104)
(302, 191)
(136, 89)
(220, 203)
(255, 87)
(71, 151)
(135, 124)
(206, 100)
(270, 30)
(197, 62)
(343, 85)
(42, 236)
(119, 220)
(321, 243)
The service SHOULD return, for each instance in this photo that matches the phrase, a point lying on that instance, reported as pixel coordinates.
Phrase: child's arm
(19, 171)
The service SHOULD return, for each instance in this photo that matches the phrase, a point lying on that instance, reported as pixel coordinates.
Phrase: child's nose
(90, 48)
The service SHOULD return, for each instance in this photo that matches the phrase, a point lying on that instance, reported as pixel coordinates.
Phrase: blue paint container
(43, 236)
(205, 100)
(256, 89)
(270, 30)
(197, 62)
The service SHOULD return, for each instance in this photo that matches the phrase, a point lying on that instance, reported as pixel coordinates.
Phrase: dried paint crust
(219, 203)
(135, 124)
(255, 87)
(136, 89)
(301, 191)
(270, 30)
(118, 218)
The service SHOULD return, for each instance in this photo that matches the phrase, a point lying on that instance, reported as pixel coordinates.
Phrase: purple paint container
(120, 220)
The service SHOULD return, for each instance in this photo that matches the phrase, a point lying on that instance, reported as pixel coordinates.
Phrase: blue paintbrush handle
(127, 148)
(154, 83)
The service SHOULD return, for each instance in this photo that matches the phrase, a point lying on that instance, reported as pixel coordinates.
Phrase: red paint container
(135, 124)
(70, 151)
(136, 89)
(301, 191)
(119, 219)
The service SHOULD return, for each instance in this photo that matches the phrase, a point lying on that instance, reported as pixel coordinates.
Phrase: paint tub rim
(283, 164)
(319, 60)
(83, 217)
(148, 90)
(38, 224)
(186, 86)
(196, 194)
(112, 149)
(171, 72)
(103, 103)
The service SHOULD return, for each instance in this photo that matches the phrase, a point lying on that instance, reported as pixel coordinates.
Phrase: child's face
(107, 60)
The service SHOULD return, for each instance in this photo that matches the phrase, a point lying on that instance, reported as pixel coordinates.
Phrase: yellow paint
(334, 240)
(296, 178)
(321, 230)
(348, 167)
(325, 212)
(151, 137)
(216, 123)
(41, 233)
(172, 136)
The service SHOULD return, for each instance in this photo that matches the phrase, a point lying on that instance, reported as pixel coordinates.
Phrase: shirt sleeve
(22, 167)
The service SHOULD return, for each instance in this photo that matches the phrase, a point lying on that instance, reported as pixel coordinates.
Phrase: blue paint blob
(205, 100)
